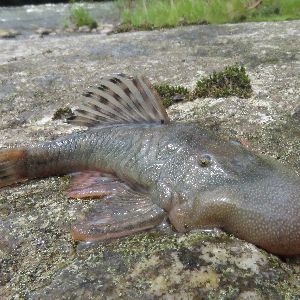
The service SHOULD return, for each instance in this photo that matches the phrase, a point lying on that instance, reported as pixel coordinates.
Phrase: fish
(145, 169)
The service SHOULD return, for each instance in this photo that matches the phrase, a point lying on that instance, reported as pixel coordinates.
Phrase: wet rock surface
(38, 259)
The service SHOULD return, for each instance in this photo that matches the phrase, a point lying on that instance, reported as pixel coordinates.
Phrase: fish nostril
(205, 161)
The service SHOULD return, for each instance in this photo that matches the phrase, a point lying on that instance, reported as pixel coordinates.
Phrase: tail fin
(12, 166)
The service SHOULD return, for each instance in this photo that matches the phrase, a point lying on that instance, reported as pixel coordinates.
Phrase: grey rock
(8, 33)
(84, 29)
(105, 28)
(38, 258)
(43, 31)
(296, 113)
(71, 29)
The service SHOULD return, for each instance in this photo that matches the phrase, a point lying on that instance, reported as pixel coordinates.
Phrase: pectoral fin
(119, 215)
(94, 184)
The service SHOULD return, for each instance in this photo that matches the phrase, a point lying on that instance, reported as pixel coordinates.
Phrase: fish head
(254, 197)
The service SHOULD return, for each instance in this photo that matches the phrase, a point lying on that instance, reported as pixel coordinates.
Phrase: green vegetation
(233, 81)
(79, 16)
(171, 94)
(62, 113)
(276, 10)
(151, 14)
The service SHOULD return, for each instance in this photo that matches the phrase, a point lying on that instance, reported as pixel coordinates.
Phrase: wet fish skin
(178, 170)
(198, 179)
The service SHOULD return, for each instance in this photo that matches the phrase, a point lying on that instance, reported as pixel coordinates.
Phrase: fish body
(179, 171)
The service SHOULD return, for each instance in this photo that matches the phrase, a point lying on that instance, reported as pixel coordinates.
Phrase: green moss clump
(171, 94)
(79, 16)
(63, 112)
(128, 27)
(233, 81)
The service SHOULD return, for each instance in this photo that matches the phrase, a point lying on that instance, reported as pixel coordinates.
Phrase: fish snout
(266, 212)
(263, 211)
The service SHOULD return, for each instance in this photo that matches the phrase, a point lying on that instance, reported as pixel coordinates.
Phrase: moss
(233, 81)
(171, 94)
(144, 244)
(289, 289)
(191, 259)
(128, 27)
(39, 94)
(63, 112)
(12, 97)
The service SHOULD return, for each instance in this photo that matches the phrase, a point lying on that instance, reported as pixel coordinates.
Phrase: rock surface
(8, 33)
(38, 259)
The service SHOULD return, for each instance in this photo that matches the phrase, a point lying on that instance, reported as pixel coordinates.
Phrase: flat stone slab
(38, 76)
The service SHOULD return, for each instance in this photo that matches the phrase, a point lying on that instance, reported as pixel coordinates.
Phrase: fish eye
(205, 160)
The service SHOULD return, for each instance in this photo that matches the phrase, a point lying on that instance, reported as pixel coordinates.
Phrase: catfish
(145, 169)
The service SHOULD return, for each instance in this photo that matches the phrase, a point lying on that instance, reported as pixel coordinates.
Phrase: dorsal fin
(120, 99)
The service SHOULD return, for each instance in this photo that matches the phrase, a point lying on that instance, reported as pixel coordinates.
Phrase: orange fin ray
(12, 166)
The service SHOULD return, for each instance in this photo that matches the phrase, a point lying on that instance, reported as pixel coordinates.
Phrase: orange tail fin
(12, 166)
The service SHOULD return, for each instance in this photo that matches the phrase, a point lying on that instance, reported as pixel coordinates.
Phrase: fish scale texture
(201, 181)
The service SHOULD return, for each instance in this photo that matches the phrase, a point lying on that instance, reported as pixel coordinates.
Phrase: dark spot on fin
(120, 99)
(119, 215)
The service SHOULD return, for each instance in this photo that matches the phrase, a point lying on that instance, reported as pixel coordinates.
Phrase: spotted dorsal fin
(120, 99)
